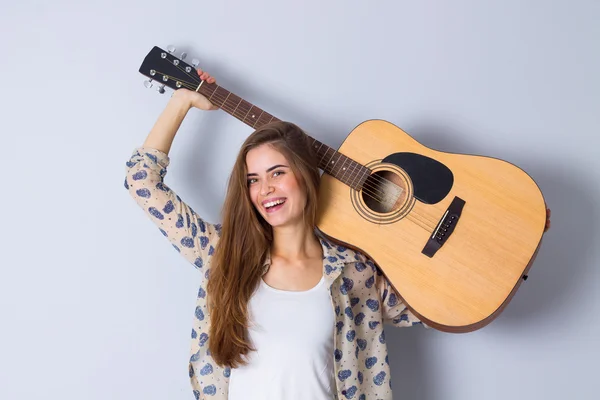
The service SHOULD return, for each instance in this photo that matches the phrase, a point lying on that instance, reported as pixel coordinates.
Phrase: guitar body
(477, 270)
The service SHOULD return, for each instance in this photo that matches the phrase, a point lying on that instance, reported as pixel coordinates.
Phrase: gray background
(95, 304)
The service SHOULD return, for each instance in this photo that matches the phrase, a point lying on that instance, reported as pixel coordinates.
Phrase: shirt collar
(335, 256)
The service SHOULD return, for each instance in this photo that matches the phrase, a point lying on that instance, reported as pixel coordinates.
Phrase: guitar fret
(355, 179)
(343, 174)
(261, 123)
(365, 175)
(213, 92)
(217, 98)
(248, 112)
(225, 102)
(341, 169)
(326, 165)
(258, 119)
(269, 117)
(231, 103)
(237, 111)
(348, 174)
(334, 163)
(352, 175)
(322, 161)
(319, 157)
(237, 105)
(252, 116)
(241, 109)
(220, 99)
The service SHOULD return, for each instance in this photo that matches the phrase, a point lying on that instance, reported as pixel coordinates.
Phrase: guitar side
(477, 270)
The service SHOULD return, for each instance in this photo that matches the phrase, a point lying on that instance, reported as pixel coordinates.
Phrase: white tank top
(293, 334)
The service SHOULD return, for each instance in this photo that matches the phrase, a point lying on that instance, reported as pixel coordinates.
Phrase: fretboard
(330, 160)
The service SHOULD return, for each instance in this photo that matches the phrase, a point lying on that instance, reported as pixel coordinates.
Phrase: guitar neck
(330, 160)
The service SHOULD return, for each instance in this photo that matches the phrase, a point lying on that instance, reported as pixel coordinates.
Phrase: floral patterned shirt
(361, 296)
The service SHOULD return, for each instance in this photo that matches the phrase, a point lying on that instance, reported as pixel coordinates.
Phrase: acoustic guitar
(455, 234)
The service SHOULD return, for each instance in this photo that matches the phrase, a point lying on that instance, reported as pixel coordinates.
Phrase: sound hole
(384, 192)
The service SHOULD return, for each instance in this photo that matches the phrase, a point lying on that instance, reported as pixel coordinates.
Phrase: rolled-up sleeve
(394, 311)
(194, 238)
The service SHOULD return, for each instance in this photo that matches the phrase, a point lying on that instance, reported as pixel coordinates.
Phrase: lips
(273, 204)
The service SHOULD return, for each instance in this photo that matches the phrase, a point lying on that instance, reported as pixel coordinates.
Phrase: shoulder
(338, 252)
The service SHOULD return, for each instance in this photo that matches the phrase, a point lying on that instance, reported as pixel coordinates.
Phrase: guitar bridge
(444, 228)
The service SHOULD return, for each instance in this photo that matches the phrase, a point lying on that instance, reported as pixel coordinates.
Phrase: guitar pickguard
(431, 179)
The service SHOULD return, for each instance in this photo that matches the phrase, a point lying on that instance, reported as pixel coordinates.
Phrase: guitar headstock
(163, 67)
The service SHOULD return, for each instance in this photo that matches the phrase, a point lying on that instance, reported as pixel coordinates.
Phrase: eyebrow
(270, 169)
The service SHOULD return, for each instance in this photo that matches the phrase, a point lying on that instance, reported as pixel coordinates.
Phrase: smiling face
(274, 190)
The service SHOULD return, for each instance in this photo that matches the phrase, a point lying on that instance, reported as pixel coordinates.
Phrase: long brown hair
(237, 264)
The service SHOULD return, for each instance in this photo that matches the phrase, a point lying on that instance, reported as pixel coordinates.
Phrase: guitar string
(195, 77)
(373, 189)
(370, 189)
(370, 193)
(353, 168)
(197, 80)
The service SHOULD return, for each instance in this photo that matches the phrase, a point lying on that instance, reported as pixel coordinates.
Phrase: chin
(281, 222)
(277, 222)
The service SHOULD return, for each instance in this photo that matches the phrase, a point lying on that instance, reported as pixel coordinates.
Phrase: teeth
(274, 203)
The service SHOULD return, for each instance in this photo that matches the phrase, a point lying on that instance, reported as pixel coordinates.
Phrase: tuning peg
(161, 88)
(171, 49)
(195, 62)
(183, 56)
(148, 83)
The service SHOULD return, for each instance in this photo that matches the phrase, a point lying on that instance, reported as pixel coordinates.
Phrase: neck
(295, 244)
(329, 160)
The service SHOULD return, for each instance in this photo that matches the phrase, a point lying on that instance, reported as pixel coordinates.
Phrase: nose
(265, 188)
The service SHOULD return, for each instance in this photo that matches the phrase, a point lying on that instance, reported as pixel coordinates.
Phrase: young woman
(281, 312)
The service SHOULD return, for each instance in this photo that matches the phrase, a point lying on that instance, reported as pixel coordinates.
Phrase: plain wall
(96, 304)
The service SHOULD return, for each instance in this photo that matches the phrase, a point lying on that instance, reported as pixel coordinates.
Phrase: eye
(251, 181)
(276, 173)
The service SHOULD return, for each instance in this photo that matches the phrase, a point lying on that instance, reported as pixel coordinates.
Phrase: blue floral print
(362, 297)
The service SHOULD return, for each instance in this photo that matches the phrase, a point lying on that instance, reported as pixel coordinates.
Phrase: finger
(211, 80)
